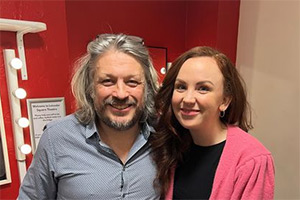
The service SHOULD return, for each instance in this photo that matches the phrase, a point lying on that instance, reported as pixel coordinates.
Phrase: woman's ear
(225, 103)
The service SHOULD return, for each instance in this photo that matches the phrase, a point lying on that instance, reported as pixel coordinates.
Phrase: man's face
(119, 90)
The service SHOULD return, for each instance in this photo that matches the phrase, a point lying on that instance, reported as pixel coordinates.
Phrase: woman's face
(198, 94)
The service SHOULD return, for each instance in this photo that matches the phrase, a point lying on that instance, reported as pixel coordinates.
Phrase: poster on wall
(41, 112)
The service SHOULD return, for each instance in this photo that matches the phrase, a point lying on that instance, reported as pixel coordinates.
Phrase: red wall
(160, 23)
(175, 25)
(47, 66)
(213, 23)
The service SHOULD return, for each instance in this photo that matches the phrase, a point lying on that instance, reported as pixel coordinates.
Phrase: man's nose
(120, 91)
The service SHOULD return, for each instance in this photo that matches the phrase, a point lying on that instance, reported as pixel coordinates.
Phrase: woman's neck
(209, 135)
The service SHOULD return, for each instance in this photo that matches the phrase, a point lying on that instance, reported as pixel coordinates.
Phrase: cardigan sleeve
(255, 179)
(169, 194)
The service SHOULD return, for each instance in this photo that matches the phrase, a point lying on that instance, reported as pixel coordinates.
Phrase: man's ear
(226, 102)
(92, 94)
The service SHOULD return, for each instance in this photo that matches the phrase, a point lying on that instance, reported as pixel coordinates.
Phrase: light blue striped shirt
(71, 162)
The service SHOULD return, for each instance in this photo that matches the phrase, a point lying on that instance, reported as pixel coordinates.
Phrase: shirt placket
(124, 182)
(124, 174)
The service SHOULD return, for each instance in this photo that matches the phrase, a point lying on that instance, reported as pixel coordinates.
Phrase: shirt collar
(91, 129)
(146, 130)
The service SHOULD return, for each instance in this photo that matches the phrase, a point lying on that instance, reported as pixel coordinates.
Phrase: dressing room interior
(46, 37)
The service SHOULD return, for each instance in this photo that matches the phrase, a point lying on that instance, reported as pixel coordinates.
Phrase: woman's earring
(222, 113)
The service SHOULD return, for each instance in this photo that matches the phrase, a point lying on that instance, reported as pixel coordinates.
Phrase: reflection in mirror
(159, 58)
(4, 163)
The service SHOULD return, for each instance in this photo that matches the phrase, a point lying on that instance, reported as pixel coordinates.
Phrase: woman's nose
(189, 98)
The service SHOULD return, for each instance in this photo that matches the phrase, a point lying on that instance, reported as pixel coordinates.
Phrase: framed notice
(41, 112)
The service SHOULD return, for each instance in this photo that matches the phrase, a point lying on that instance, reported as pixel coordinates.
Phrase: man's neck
(119, 141)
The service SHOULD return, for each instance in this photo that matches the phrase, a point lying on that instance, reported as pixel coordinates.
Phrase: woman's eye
(180, 88)
(203, 89)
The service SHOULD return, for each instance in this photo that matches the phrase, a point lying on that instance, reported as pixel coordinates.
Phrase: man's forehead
(129, 75)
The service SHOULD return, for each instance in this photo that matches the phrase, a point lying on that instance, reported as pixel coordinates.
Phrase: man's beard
(120, 126)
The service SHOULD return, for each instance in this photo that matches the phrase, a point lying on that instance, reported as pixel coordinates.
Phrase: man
(101, 151)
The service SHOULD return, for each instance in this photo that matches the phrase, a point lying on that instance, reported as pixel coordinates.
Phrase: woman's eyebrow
(198, 83)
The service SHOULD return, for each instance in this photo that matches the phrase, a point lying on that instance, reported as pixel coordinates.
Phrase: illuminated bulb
(25, 148)
(16, 63)
(163, 70)
(23, 122)
(20, 93)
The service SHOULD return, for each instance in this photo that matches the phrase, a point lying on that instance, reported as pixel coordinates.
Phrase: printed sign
(41, 112)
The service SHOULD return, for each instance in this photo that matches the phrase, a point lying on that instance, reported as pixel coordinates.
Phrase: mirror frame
(159, 58)
(4, 148)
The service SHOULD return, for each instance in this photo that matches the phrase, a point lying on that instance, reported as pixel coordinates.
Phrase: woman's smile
(189, 112)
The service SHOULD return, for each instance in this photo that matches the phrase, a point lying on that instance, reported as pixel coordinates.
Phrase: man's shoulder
(66, 127)
(63, 123)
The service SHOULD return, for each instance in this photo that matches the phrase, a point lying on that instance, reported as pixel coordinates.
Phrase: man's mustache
(117, 101)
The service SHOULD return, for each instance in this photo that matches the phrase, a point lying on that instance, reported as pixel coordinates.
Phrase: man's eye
(133, 83)
(107, 82)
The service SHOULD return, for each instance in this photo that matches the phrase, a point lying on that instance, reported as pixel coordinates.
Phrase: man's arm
(40, 182)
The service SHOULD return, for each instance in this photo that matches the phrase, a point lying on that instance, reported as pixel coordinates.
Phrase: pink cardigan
(245, 170)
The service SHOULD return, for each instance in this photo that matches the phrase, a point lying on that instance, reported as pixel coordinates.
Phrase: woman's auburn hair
(171, 140)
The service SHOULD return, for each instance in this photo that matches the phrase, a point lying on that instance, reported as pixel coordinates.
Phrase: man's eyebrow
(102, 75)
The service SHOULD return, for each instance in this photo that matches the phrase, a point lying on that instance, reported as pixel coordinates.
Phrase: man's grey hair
(83, 78)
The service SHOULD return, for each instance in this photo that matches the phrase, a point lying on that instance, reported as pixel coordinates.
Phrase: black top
(195, 175)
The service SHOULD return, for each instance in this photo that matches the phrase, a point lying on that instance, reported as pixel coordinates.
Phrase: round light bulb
(20, 93)
(23, 122)
(163, 70)
(25, 148)
(16, 63)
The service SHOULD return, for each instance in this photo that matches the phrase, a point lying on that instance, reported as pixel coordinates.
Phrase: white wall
(268, 57)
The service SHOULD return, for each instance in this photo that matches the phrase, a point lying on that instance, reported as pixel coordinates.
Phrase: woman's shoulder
(244, 143)
(244, 159)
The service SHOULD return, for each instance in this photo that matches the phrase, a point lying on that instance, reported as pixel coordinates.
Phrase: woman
(202, 148)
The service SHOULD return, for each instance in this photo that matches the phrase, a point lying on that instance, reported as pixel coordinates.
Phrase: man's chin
(117, 122)
(120, 119)
(120, 125)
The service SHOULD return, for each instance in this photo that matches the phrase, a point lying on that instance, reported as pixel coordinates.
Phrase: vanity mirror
(4, 162)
